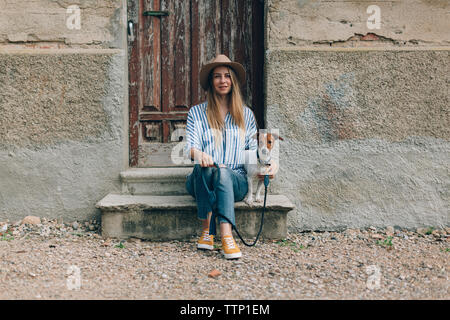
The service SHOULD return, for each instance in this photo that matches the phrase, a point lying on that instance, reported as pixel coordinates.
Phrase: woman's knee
(225, 171)
(223, 176)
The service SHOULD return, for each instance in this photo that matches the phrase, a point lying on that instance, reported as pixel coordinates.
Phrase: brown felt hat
(221, 60)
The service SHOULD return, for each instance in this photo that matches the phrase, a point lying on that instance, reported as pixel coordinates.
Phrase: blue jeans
(230, 188)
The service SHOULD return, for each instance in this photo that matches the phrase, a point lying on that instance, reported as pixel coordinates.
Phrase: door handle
(156, 13)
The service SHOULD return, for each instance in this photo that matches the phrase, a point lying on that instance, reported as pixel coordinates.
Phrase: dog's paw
(259, 199)
(248, 200)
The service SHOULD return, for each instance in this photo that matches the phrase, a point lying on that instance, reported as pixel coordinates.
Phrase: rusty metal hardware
(156, 13)
(130, 30)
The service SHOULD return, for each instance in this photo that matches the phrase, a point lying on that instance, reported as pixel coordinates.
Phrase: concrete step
(155, 181)
(174, 217)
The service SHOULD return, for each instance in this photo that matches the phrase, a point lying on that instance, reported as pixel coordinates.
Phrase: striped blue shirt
(231, 151)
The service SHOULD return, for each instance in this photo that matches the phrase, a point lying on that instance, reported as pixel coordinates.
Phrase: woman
(218, 131)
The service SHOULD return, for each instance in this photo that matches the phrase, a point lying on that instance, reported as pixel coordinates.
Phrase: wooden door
(166, 53)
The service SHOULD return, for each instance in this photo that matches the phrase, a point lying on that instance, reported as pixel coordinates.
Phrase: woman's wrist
(196, 155)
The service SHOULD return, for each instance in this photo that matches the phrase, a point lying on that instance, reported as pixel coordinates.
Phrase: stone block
(163, 218)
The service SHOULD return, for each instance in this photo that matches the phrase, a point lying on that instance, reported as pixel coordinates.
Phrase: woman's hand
(206, 160)
(270, 170)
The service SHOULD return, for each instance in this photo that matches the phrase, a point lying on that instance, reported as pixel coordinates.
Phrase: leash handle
(266, 180)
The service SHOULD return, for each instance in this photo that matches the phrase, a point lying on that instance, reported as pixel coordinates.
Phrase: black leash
(212, 201)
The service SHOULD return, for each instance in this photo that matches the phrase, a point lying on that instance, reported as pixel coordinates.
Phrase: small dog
(257, 161)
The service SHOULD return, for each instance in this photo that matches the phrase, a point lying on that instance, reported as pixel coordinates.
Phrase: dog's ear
(276, 136)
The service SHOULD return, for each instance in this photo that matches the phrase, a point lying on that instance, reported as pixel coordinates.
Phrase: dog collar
(266, 162)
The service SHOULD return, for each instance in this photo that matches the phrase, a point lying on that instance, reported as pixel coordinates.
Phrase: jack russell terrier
(257, 162)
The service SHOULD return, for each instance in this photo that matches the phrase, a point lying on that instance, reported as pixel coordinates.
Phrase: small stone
(31, 220)
(422, 231)
(45, 232)
(107, 243)
(389, 231)
(436, 233)
(91, 227)
(214, 273)
(376, 236)
(75, 225)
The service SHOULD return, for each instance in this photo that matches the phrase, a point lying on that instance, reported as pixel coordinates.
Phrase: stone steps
(155, 205)
(155, 181)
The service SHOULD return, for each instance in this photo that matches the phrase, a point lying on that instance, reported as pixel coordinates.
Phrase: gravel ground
(52, 260)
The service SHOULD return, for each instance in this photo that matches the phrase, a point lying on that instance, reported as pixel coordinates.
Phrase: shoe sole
(236, 255)
(205, 247)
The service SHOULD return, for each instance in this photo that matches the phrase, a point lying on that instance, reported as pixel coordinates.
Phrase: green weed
(120, 245)
(78, 234)
(6, 236)
(291, 244)
(387, 243)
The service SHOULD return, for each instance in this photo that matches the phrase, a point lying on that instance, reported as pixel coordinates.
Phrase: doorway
(168, 42)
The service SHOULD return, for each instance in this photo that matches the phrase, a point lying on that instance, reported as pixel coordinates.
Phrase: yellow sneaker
(206, 241)
(229, 248)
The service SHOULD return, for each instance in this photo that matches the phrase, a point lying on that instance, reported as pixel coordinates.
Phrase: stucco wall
(364, 112)
(63, 106)
(44, 23)
(341, 23)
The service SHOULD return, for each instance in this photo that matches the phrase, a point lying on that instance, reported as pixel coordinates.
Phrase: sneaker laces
(206, 236)
(229, 242)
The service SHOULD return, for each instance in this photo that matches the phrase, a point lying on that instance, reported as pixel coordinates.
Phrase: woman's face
(221, 79)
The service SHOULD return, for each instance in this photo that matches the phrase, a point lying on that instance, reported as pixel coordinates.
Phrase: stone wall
(63, 106)
(364, 112)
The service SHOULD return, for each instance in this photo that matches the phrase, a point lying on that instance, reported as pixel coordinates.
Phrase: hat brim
(207, 68)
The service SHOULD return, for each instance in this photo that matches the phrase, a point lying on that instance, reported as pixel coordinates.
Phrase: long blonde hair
(236, 108)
